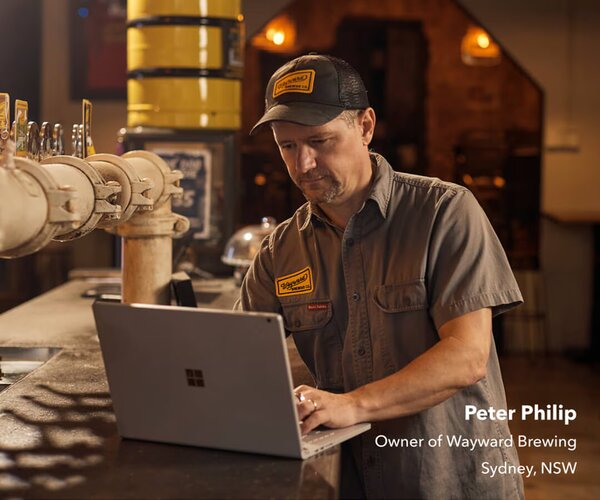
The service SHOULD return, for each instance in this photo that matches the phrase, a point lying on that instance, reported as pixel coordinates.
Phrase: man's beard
(325, 195)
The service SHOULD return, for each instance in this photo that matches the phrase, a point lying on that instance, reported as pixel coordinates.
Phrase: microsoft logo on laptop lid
(195, 378)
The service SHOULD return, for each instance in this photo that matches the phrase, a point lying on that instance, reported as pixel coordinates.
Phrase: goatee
(327, 194)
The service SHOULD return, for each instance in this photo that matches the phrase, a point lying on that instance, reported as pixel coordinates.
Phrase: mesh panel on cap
(352, 92)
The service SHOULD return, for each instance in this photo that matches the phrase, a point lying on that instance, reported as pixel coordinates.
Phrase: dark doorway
(391, 56)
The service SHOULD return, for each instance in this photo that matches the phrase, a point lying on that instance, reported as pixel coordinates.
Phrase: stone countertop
(58, 435)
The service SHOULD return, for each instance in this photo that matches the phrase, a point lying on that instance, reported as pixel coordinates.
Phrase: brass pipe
(147, 236)
(147, 268)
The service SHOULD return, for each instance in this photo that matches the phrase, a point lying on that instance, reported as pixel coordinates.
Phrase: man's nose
(305, 159)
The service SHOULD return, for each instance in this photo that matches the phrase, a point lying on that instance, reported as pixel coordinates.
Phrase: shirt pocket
(403, 326)
(304, 316)
(317, 340)
(401, 298)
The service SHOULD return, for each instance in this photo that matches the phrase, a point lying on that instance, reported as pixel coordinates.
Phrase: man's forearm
(428, 380)
(458, 360)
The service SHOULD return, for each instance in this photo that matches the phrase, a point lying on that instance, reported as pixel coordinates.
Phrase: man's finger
(312, 422)
(305, 408)
(302, 411)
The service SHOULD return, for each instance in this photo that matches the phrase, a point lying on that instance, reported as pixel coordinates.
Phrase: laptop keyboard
(316, 437)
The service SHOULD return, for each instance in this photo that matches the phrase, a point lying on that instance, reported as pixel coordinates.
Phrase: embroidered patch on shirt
(297, 81)
(295, 284)
(318, 306)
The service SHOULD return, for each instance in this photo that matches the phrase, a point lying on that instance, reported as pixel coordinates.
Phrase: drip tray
(16, 362)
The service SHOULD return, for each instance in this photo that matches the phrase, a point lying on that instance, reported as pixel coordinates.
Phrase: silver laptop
(203, 377)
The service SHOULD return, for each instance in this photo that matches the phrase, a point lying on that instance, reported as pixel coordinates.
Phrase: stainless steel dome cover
(245, 243)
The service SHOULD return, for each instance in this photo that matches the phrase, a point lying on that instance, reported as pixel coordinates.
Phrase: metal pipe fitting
(23, 195)
(34, 207)
(134, 194)
(147, 245)
(96, 199)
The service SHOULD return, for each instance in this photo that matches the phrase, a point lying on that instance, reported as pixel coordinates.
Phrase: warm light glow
(260, 179)
(478, 49)
(483, 41)
(279, 35)
(247, 236)
(240, 18)
(276, 36)
(499, 182)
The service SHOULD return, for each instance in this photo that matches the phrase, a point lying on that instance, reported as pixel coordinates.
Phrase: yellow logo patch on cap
(295, 284)
(297, 81)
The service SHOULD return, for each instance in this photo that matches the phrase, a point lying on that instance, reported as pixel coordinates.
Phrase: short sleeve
(257, 292)
(467, 268)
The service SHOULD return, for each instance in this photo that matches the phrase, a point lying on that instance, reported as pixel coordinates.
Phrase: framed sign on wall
(196, 165)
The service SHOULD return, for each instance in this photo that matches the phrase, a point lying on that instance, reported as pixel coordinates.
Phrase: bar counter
(58, 434)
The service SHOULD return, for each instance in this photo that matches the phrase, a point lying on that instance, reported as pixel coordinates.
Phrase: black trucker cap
(312, 90)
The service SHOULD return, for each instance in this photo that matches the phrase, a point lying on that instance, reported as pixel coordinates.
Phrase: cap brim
(302, 113)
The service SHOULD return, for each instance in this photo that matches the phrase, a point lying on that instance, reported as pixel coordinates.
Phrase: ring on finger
(315, 406)
(300, 396)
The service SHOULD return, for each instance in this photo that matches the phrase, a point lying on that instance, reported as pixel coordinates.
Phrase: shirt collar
(311, 210)
(381, 189)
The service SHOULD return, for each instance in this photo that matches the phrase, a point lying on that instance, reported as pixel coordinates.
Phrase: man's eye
(285, 146)
(319, 141)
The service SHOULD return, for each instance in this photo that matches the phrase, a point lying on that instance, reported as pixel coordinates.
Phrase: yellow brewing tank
(184, 61)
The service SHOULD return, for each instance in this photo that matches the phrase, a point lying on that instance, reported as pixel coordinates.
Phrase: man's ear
(367, 122)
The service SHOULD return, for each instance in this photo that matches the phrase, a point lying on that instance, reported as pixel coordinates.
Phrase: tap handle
(76, 140)
(33, 141)
(46, 140)
(58, 140)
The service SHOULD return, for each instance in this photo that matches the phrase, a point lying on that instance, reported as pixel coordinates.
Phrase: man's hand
(317, 407)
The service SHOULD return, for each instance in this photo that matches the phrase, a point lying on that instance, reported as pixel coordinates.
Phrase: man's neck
(340, 214)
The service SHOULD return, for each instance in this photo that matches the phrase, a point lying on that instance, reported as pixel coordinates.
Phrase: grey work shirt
(363, 302)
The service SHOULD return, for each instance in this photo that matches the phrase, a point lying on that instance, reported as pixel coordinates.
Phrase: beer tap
(80, 137)
(58, 140)
(46, 145)
(76, 141)
(33, 141)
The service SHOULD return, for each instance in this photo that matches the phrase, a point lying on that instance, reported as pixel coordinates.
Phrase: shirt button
(350, 242)
(356, 296)
(361, 351)
(297, 323)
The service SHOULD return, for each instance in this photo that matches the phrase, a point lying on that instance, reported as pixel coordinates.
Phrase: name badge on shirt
(295, 284)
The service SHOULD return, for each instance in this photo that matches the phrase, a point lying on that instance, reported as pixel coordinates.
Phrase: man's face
(327, 162)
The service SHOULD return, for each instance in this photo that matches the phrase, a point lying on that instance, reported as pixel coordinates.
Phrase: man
(388, 283)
